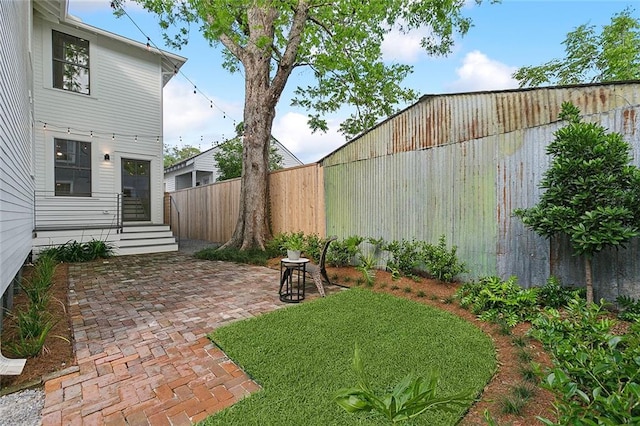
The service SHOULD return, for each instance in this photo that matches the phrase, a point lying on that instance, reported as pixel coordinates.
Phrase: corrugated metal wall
(460, 164)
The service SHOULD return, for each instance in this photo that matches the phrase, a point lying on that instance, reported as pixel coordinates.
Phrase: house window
(70, 63)
(72, 168)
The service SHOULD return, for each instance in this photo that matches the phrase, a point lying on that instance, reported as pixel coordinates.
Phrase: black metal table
(292, 279)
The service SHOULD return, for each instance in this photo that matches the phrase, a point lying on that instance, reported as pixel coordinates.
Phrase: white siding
(205, 163)
(125, 100)
(16, 183)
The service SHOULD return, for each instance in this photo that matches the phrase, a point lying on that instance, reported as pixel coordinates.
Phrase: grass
(302, 355)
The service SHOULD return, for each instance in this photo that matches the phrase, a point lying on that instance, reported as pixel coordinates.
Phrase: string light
(46, 126)
(117, 4)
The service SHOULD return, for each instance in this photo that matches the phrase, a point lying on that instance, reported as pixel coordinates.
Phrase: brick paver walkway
(139, 324)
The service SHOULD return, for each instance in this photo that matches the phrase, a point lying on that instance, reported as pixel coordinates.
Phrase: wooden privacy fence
(210, 212)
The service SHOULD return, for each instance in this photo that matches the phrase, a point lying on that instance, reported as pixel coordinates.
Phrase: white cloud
(189, 116)
(293, 132)
(478, 72)
(405, 48)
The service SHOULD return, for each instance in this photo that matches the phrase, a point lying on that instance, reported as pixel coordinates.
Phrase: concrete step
(126, 229)
(160, 248)
(143, 235)
(140, 242)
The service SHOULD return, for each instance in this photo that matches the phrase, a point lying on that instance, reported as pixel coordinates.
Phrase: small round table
(292, 288)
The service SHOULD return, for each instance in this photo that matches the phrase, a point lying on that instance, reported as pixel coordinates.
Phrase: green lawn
(302, 354)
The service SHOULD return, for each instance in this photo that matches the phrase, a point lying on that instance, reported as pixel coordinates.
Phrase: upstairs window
(70, 63)
(72, 168)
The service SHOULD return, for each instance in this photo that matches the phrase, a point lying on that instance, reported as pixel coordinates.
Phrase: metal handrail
(173, 202)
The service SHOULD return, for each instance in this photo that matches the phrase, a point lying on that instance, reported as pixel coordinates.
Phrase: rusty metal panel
(460, 164)
(420, 195)
(453, 118)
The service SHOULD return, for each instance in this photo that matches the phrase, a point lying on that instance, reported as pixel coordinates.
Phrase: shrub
(343, 253)
(442, 263)
(553, 295)
(253, 256)
(73, 251)
(367, 268)
(629, 308)
(495, 300)
(596, 373)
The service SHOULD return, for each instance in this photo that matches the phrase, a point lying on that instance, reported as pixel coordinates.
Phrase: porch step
(146, 238)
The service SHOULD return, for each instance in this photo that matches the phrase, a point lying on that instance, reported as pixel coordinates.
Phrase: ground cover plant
(597, 372)
(296, 357)
(73, 251)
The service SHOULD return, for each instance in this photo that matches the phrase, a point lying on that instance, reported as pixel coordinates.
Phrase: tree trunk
(589, 280)
(252, 228)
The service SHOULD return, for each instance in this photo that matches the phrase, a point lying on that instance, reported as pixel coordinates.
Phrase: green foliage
(33, 324)
(311, 245)
(73, 251)
(596, 373)
(252, 257)
(228, 158)
(495, 300)
(367, 267)
(173, 155)
(442, 263)
(343, 253)
(411, 257)
(629, 308)
(612, 55)
(411, 397)
(592, 194)
(553, 295)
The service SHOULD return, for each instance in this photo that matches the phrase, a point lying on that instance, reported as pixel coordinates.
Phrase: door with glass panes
(136, 194)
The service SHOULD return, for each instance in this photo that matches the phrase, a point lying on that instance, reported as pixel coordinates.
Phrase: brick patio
(139, 324)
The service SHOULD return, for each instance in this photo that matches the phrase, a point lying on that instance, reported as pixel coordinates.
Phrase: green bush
(596, 373)
(73, 251)
(343, 253)
(629, 308)
(441, 262)
(493, 299)
(553, 295)
(253, 256)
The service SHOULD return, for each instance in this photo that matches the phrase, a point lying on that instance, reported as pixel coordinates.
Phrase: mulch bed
(58, 348)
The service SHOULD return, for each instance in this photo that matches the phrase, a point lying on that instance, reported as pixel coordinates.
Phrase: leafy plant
(295, 241)
(253, 256)
(367, 267)
(410, 398)
(342, 253)
(73, 251)
(406, 256)
(442, 263)
(553, 295)
(629, 308)
(493, 299)
(32, 328)
(596, 373)
(591, 191)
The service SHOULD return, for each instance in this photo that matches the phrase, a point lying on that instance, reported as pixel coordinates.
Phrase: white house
(80, 135)
(201, 169)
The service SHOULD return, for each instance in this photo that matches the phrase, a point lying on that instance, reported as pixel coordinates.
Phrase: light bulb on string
(91, 134)
(136, 138)
(68, 130)
(211, 106)
(148, 44)
(194, 89)
(45, 126)
(113, 136)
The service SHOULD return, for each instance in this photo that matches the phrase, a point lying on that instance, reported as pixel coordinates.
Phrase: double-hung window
(70, 63)
(72, 168)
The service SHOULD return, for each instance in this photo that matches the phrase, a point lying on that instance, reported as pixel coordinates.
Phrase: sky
(504, 37)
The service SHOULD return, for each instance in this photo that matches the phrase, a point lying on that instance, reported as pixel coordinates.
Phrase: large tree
(591, 191)
(612, 55)
(339, 40)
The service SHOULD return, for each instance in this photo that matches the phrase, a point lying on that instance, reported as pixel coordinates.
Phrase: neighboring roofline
(184, 163)
(483, 92)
